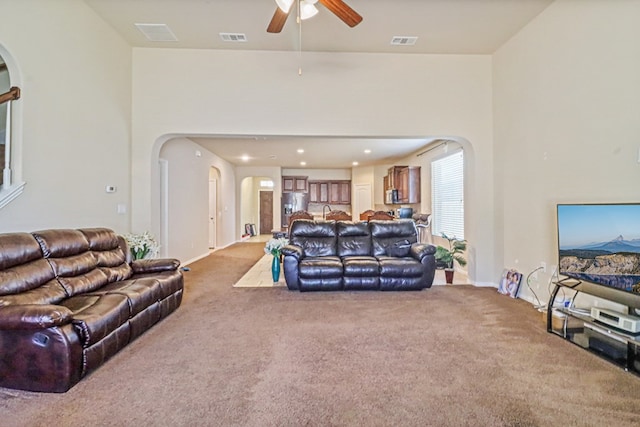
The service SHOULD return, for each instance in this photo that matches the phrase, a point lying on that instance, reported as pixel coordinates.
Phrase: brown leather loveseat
(71, 299)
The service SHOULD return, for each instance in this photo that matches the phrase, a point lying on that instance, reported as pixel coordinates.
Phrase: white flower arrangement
(142, 245)
(273, 246)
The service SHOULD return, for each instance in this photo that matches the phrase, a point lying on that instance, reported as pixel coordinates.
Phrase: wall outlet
(544, 266)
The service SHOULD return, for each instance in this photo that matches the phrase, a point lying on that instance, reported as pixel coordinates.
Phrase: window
(266, 183)
(447, 195)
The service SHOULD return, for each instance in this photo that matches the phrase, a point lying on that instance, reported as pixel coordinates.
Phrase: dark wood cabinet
(340, 192)
(405, 179)
(331, 192)
(294, 184)
(409, 185)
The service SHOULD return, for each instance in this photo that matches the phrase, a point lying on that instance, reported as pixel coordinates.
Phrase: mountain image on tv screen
(600, 243)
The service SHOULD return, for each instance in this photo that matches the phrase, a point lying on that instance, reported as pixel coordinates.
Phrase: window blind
(447, 195)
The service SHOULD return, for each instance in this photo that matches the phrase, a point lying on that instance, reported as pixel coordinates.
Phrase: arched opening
(257, 204)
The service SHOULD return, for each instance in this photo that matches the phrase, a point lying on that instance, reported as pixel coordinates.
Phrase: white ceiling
(442, 26)
(319, 153)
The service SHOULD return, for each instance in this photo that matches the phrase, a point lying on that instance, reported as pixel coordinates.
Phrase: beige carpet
(446, 356)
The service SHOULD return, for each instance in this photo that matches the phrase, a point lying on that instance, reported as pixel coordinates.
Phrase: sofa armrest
(292, 250)
(141, 266)
(34, 316)
(420, 250)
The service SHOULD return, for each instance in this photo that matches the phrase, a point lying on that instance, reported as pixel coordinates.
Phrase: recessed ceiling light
(245, 158)
(355, 163)
(303, 163)
(367, 151)
(300, 151)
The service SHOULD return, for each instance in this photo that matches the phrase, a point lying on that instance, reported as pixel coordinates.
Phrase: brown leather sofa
(71, 299)
(344, 255)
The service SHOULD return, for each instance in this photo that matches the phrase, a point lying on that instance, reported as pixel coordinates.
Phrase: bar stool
(423, 224)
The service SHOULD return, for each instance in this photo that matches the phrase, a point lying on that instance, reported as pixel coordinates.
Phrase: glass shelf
(578, 327)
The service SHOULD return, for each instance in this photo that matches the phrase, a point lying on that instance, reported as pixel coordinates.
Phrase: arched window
(10, 187)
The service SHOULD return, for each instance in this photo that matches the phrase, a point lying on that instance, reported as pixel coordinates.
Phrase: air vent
(157, 32)
(233, 37)
(403, 40)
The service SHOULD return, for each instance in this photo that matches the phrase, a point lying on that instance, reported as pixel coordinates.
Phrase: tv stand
(578, 327)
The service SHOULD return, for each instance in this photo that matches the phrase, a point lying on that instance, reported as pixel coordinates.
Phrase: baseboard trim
(199, 257)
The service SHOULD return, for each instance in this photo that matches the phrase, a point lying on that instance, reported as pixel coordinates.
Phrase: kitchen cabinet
(405, 179)
(318, 192)
(330, 192)
(294, 184)
(340, 192)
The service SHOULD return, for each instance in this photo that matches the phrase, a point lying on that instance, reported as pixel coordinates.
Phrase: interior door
(362, 200)
(213, 202)
(266, 212)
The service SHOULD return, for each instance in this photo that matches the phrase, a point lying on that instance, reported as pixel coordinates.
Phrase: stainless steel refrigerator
(293, 202)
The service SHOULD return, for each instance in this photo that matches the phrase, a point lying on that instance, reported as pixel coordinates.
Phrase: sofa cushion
(110, 258)
(316, 238)
(358, 266)
(25, 276)
(354, 238)
(79, 274)
(61, 243)
(400, 248)
(96, 316)
(400, 267)
(51, 292)
(170, 281)
(386, 233)
(141, 293)
(318, 267)
(17, 249)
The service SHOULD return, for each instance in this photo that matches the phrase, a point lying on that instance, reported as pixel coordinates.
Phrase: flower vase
(275, 269)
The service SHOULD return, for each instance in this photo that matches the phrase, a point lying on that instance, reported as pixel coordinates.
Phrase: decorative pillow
(399, 249)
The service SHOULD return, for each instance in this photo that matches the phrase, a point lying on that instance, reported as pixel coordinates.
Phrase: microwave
(391, 197)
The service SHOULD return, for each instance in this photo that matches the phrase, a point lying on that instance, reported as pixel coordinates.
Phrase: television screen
(600, 243)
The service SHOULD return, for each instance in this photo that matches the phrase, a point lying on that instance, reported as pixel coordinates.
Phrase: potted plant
(446, 256)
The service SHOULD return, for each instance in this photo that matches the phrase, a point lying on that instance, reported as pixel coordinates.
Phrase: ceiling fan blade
(342, 11)
(278, 20)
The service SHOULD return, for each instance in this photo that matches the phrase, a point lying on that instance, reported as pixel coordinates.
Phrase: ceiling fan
(307, 9)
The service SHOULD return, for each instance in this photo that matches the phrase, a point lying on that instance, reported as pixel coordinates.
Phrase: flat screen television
(600, 243)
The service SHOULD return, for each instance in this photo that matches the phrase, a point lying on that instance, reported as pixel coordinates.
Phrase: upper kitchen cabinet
(340, 192)
(318, 192)
(331, 192)
(406, 180)
(294, 184)
(409, 185)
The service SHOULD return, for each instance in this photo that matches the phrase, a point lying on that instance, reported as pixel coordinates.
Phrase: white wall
(259, 93)
(188, 198)
(266, 172)
(76, 114)
(567, 123)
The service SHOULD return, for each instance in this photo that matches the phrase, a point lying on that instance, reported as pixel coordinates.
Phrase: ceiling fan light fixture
(284, 5)
(307, 9)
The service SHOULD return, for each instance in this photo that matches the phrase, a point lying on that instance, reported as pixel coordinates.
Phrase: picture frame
(510, 282)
